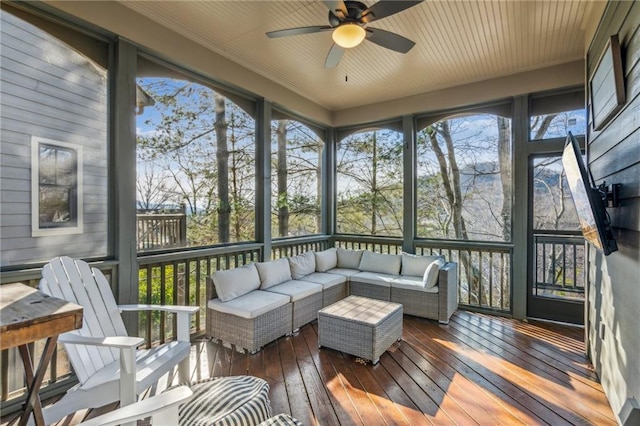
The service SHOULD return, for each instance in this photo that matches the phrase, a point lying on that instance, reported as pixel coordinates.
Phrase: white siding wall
(48, 90)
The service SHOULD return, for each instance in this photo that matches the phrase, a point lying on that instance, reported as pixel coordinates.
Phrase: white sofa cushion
(326, 259)
(374, 278)
(302, 264)
(430, 277)
(236, 282)
(382, 263)
(415, 265)
(349, 259)
(273, 273)
(344, 272)
(250, 305)
(412, 283)
(296, 289)
(325, 280)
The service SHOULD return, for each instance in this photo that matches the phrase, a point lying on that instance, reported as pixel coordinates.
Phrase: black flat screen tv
(588, 199)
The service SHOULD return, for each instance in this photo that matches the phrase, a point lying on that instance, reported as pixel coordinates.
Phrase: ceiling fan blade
(334, 56)
(337, 7)
(385, 8)
(299, 31)
(389, 40)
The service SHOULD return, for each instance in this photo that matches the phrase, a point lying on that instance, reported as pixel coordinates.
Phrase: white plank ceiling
(457, 42)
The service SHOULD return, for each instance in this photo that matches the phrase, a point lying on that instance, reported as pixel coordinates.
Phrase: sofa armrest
(447, 291)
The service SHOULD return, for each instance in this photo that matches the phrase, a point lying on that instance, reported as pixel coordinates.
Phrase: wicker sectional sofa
(252, 305)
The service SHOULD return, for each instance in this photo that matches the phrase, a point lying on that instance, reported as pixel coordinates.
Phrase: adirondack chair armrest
(121, 342)
(127, 346)
(183, 314)
(162, 408)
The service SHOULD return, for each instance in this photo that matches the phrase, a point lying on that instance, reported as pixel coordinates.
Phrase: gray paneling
(613, 300)
(21, 161)
(623, 155)
(52, 75)
(81, 108)
(43, 122)
(50, 91)
(56, 116)
(627, 216)
(612, 22)
(14, 231)
(34, 45)
(626, 123)
(8, 172)
(14, 196)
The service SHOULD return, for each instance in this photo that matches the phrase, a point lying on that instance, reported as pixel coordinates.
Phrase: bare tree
(222, 158)
(152, 188)
(283, 202)
(370, 183)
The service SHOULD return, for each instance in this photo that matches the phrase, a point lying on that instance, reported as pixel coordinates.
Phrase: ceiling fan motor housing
(354, 13)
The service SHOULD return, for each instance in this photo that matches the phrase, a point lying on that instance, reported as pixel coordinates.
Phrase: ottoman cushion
(236, 400)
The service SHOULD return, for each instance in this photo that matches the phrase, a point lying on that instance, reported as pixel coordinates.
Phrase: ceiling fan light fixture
(348, 35)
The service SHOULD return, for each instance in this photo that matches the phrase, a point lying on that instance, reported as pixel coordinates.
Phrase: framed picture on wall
(606, 85)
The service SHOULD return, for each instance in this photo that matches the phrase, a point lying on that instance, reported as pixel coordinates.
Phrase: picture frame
(606, 85)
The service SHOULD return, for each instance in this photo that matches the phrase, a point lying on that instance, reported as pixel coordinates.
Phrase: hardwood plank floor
(478, 369)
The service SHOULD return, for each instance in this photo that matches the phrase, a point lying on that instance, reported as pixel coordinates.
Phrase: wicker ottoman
(360, 326)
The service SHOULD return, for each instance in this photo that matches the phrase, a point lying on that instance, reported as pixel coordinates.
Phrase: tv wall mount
(610, 193)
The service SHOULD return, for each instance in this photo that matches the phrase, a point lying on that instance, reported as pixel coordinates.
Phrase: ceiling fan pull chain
(346, 69)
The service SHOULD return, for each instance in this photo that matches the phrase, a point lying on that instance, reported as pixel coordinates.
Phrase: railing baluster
(175, 296)
(148, 300)
(163, 301)
(491, 279)
(575, 268)
(198, 289)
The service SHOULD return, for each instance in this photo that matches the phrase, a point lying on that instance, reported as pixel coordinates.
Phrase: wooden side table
(27, 315)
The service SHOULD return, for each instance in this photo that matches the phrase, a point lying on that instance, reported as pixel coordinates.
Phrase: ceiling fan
(349, 22)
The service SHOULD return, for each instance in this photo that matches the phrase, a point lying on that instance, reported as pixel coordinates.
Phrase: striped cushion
(281, 420)
(228, 401)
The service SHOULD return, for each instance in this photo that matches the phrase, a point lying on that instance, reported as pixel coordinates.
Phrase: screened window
(196, 163)
(57, 186)
(296, 178)
(369, 183)
(553, 207)
(553, 115)
(464, 179)
(556, 125)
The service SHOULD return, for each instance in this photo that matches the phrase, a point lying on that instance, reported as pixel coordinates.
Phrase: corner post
(263, 177)
(520, 204)
(123, 176)
(409, 186)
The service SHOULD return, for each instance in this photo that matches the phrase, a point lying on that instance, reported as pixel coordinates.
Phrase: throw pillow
(415, 264)
(236, 282)
(430, 277)
(349, 259)
(274, 272)
(380, 263)
(302, 265)
(326, 259)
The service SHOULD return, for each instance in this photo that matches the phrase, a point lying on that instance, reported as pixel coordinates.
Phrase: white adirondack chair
(108, 365)
(163, 410)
